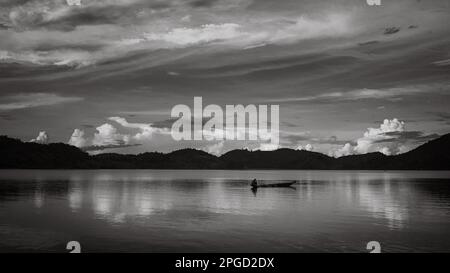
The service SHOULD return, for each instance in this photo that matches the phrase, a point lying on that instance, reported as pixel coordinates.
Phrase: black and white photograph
(224, 126)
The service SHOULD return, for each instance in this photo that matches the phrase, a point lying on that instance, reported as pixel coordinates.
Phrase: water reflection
(116, 198)
(332, 207)
(255, 190)
(75, 196)
(385, 202)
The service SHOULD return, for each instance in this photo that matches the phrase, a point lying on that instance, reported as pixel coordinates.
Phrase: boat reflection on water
(255, 189)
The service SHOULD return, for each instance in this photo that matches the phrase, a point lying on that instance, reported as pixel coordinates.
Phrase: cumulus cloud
(22, 101)
(268, 147)
(105, 137)
(308, 147)
(42, 138)
(390, 138)
(374, 135)
(345, 150)
(145, 131)
(369, 142)
(108, 135)
(78, 139)
(215, 149)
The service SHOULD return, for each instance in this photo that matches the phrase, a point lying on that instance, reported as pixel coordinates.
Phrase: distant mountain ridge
(15, 154)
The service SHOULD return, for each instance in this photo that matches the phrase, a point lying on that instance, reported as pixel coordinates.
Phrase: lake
(216, 211)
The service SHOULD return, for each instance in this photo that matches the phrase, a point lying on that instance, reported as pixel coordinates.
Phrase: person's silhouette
(254, 183)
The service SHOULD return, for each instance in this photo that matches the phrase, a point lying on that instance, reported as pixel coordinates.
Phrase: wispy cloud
(146, 113)
(98, 31)
(23, 101)
(442, 62)
(66, 57)
(441, 117)
(204, 34)
(361, 94)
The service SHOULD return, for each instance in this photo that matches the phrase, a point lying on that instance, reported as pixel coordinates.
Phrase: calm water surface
(215, 211)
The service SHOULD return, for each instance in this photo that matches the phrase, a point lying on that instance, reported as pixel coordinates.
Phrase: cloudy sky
(104, 75)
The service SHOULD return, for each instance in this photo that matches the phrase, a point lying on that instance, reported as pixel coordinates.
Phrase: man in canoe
(254, 183)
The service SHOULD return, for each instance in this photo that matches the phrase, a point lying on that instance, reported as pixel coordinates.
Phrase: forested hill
(16, 154)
